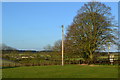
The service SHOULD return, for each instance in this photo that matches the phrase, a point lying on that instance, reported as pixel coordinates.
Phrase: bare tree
(92, 29)
(48, 47)
(57, 46)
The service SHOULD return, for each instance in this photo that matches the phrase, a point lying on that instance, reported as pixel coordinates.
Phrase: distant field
(67, 71)
(106, 57)
(6, 63)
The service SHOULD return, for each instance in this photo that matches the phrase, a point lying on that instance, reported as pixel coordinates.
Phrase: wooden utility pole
(108, 52)
(62, 45)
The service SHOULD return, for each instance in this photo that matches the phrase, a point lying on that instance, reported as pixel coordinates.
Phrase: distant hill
(5, 47)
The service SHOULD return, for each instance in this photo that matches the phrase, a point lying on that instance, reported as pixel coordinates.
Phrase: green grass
(106, 57)
(67, 71)
(6, 62)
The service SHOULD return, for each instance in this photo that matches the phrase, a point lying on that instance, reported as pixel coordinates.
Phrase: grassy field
(67, 71)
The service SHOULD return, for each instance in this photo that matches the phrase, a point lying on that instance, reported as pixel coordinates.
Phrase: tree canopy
(92, 29)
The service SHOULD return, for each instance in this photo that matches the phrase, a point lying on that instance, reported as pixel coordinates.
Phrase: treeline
(49, 51)
(24, 51)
